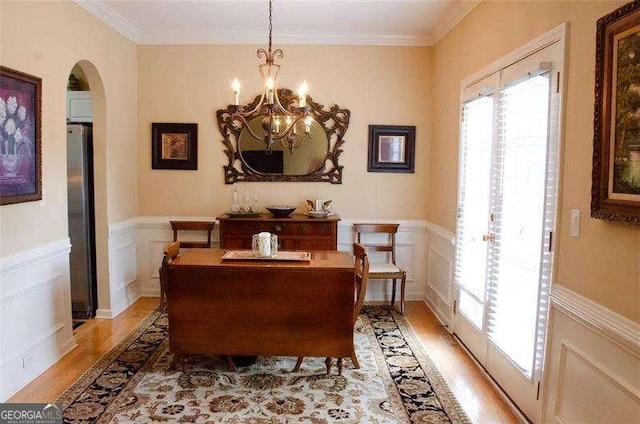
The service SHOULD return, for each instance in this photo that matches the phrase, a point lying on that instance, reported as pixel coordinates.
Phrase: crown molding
(282, 38)
(107, 15)
(463, 9)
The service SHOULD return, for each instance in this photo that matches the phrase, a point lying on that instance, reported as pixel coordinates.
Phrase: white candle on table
(264, 244)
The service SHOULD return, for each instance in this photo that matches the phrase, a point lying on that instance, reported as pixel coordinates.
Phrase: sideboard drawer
(296, 232)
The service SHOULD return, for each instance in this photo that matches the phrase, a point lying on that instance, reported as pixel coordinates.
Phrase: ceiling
(363, 22)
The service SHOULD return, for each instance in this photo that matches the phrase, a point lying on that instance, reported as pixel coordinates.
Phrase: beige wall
(47, 39)
(604, 263)
(380, 85)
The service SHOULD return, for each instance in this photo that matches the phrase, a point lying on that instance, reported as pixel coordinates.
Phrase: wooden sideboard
(295, 232)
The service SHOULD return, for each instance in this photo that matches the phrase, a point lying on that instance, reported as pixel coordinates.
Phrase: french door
(506, 218)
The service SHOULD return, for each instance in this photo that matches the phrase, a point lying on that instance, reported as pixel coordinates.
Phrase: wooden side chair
(193, 226)
(171, 251)
(360, 289)
(385, 270)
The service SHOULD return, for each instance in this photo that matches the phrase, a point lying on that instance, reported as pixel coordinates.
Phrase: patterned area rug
(396, 383)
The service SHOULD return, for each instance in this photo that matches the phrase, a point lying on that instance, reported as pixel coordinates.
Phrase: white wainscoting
(35, 314)
(155, 232)
(411, 244)
(593, 363)
(439, 292)
(123, 267)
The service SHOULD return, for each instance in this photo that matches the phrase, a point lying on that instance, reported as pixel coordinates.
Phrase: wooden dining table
(260, 306)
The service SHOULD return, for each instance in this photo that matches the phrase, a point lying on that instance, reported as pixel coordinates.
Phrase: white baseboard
(437, 313)
(104, 313)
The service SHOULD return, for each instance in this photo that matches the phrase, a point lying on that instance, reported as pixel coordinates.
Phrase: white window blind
(473, 210)
(520, 205)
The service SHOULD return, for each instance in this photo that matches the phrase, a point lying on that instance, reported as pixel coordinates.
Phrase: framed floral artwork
(615, 192)
(391, 148)
(174, 146)
(20, 137)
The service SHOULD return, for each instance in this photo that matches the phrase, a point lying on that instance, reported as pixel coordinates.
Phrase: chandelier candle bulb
(302, 94)
(236, 91)
(270, 84)
(307, 124)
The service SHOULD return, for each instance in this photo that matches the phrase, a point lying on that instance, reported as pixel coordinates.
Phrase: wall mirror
(314, 160)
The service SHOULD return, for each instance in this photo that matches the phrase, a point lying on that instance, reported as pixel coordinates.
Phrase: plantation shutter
(524, 184)
(473, 197)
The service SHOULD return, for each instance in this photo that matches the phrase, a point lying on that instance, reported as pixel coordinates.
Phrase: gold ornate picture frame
(615, 193)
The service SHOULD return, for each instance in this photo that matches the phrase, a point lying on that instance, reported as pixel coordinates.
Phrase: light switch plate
(575, 223)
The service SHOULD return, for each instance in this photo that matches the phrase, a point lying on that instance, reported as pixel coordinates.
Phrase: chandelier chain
(270, 24)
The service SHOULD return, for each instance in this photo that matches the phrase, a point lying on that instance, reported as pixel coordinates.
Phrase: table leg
(327, 362)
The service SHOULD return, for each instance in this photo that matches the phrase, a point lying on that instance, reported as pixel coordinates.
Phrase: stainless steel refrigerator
(81, 220)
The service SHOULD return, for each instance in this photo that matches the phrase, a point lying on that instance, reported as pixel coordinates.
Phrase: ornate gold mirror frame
(334, 121)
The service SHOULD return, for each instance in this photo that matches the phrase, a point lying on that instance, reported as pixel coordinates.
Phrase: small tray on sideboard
(243, 214)
(247, 255)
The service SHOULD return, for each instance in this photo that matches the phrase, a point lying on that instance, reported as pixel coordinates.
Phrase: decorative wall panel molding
(32, 256)
(35, 311)
(440, 291)
(123, 267)
(592, 354)
(616, 328)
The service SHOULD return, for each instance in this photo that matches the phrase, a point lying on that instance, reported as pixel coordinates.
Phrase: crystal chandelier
(290, 126)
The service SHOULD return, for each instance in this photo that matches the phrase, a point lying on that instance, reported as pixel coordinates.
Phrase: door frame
(559, 35)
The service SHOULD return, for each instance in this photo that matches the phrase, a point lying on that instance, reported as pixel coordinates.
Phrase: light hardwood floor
(476, 395)
(96, 337)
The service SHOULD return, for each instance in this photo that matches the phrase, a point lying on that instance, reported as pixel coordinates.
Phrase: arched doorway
(89, 291)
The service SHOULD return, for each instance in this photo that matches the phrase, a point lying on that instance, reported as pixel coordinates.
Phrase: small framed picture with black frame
(391, 148)
(174, 146)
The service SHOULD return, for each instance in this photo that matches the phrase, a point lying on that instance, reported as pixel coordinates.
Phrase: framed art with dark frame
(174, 146)
(391, 148)
(615, 191)
(20, 137)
